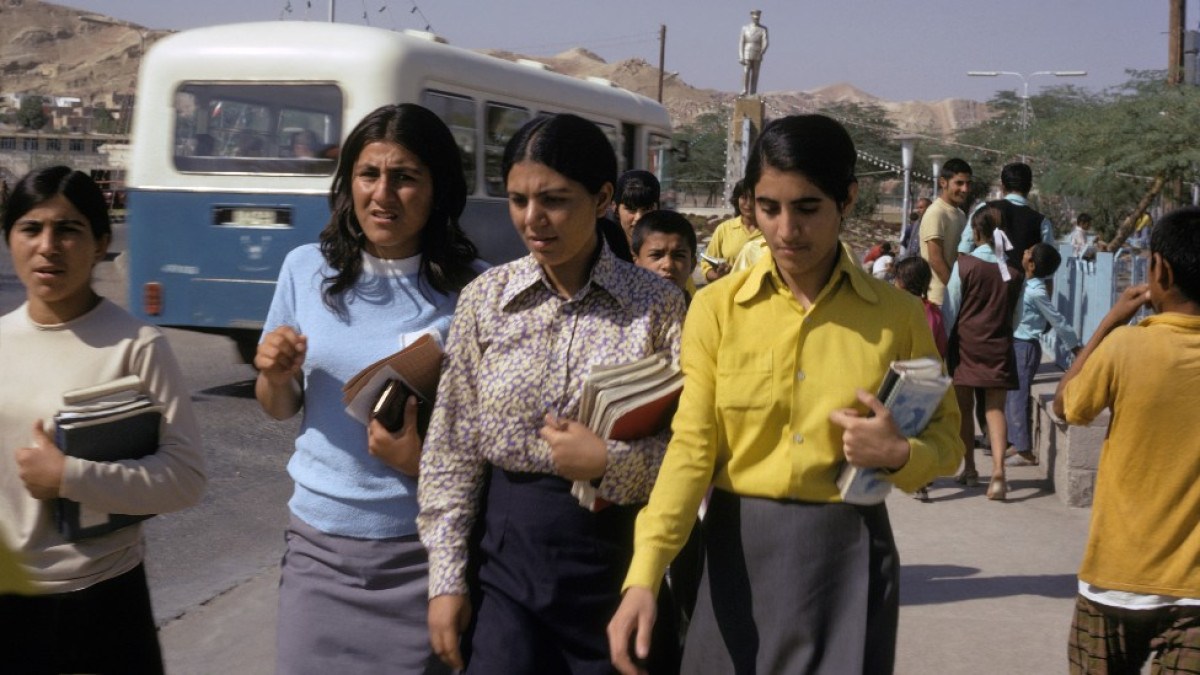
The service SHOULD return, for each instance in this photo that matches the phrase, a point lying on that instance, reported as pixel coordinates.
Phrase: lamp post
(907, 144)
(937, 171)
(1025, 91)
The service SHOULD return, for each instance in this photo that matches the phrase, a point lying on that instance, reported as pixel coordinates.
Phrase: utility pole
(1178, 16)
(662, 57)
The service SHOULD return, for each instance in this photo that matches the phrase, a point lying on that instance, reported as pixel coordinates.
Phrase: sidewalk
(986, 587)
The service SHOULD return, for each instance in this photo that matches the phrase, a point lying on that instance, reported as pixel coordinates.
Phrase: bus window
(458, 112)
(658, 162)
(502, 122)
(614, 139)
(245, 128)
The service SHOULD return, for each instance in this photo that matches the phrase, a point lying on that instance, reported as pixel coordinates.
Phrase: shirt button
(800, 375)
(799, 438)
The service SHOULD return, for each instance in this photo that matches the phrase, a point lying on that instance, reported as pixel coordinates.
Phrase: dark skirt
(349, 605)
(794, 587)
(105, 628)
(549, 579)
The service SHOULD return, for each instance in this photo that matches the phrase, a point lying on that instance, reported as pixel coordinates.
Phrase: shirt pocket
(745, 381)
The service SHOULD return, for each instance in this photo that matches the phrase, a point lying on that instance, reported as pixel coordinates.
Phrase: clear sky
(894, 49)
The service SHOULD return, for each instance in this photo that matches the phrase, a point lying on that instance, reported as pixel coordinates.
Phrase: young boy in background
(1040, 262)
(1139, 583)
(664, 242)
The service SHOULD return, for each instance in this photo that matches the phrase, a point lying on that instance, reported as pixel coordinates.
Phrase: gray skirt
(794, 587)
(351, 605)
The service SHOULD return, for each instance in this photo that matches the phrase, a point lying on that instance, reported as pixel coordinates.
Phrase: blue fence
(1084, 291)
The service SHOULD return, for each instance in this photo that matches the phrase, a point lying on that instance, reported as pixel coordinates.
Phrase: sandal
(969, 478)
(1021, 459)
(997, 489)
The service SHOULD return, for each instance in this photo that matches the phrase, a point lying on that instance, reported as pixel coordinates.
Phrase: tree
(31, 115)
(1122, 153)
(104, 122)
(704, 172)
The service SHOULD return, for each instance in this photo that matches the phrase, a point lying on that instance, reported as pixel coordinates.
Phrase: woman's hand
(871, 442)
(577, 452)
(400, 450)
(631, 626)
(449, 616)
(40, 466)
(280, 356)
(279, 359)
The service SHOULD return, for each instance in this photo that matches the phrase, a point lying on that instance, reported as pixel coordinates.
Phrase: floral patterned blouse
(516, 351)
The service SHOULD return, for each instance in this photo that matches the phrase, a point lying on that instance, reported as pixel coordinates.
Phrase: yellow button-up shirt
(761, 377)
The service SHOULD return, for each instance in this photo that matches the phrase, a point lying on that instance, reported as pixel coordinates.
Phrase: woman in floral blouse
(503, 447)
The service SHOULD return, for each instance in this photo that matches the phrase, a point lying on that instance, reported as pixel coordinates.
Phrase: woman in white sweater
(91, 611)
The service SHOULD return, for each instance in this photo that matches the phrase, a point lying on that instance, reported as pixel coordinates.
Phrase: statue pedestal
(744, 128)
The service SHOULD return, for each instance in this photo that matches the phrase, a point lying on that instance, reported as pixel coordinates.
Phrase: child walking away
(1139, 584)
(913, 274)
(1038, 315)
(979, 304)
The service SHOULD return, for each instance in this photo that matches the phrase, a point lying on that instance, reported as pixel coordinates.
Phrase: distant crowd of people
(464, 545)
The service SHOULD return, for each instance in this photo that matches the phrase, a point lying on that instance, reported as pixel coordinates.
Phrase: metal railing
(1085, 290)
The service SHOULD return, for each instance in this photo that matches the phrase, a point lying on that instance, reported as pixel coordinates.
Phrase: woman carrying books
(387, 270)
(777, 362)
(91, 611)
(504, 445)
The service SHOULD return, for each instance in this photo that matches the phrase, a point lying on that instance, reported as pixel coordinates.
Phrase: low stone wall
(1070, 454)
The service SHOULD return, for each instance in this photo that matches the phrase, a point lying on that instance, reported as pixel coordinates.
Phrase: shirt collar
(764, 275)
(606, 275)
(1176, 319)
(1017, 198)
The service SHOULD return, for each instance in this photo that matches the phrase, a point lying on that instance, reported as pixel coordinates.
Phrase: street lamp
(907, 143)
(937, 171)
(1025, 87)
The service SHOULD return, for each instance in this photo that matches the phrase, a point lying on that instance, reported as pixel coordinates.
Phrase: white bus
(235, 140)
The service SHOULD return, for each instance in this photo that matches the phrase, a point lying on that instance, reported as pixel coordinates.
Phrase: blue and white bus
(235, 142)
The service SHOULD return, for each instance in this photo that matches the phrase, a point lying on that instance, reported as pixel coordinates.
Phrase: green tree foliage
(31, 115)
(104, 122)
(1119, 151)
(704, 172)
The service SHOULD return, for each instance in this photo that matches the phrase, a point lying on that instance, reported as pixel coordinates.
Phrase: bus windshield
(255, 128)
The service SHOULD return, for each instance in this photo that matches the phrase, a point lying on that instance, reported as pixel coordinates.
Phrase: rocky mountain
(53, 50)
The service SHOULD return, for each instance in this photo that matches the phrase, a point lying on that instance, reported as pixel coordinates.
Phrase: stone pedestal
(1072, 453)
(744, 128)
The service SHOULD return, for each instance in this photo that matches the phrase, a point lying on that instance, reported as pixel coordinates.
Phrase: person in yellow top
(729, 237)
(778, 361)
(1139, 582)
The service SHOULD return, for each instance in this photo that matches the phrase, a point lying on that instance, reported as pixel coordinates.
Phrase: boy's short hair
(913, 274)
(1084, 217)
(637, 189)
(953, 167)
(1176, 237)
(666, 222)
(1046, 260)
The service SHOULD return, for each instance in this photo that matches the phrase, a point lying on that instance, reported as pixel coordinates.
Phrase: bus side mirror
(682, 149)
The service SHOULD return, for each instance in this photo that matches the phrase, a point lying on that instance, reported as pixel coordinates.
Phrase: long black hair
(577, 149)
(814, 145)
(446, 252)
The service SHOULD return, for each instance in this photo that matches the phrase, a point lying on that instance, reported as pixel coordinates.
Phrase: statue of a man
(751, 48)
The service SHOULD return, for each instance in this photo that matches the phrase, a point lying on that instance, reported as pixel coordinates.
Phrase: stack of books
(626, 402)
(108, 422)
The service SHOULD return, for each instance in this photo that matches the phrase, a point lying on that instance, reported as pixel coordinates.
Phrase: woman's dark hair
(577, 149)
(637, 189)
(988, 218)
(1045, 258)
(446, 252)
(913, 274)
(814, 145)
(42, 185)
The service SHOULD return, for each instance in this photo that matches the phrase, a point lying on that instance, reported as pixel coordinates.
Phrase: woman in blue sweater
(388, 269)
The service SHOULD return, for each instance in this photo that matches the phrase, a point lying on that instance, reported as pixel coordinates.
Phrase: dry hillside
(53, 50)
